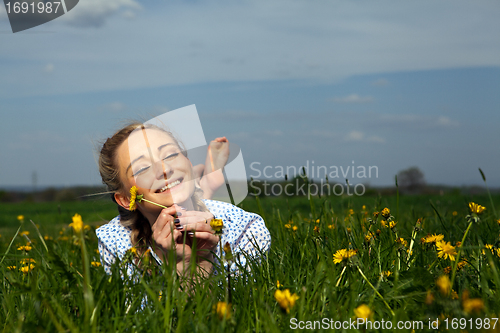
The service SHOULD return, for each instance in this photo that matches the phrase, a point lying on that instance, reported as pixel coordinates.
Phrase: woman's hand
(169, 235)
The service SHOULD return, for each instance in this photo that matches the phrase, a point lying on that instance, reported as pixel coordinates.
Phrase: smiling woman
(166, 211)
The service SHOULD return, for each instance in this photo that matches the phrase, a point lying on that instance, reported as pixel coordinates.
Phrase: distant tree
(411, 179)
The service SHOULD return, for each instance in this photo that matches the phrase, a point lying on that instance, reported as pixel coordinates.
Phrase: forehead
(141, 139)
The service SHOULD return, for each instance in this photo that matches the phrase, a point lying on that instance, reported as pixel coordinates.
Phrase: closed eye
(141, 170)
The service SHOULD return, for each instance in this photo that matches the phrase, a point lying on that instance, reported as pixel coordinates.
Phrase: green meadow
(427, 262)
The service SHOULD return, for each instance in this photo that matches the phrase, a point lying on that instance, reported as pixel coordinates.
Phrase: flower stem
(376, 291)
(340, 278)
(458, 254)
(154, 203)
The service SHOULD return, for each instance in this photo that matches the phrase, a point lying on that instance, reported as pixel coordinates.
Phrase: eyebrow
(142, 156)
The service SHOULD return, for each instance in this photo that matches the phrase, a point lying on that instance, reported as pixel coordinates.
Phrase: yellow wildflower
(349, 230)
(402, 241)
(392, 224)
(317, 221)
(351, 211)
(446, 250)
(473, 305)
(294, 228)
(216, 225)
(278, 284)
(331, 226)
(11, 268)
(285, 299)
(386, 212)
(133, 197)
(375, 214)
(20, 217)
(316, 228)
(364, 207)
(383, 223)
(27, 261)
(46, 237)
(288, 225)
(498, 221)
(95, 263)
(444, 284)
(77, 224)
(24, 233)
(475, 208)
(454, 294)
(133, 250)
(223, 310)
(387, 273)
(363, 311)
(27, 269)
(26, 248)
(342, 255)
(433, 238)
(368, 237)
(455, 213)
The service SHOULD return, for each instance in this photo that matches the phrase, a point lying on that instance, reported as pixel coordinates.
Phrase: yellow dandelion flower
(433, 238)
(316, 228)
(392, 224)
(375, 214)
(386, 212)
(26, 248)
(351, 211)
(223, 310)
(27, 261)
(402, 241)
(77, 224)
(24, 233)
(363, 311)
(331, 226)
(368, 237)
(278, 284)
(294, 228)
(133, 198)
(475, 208)
(473, 305)
(455, 213)
(342, 255)
(27, 269)
(317, 221)
(95, 263)
(446, 250)
(498, 221)
(216, 225)
(288, 225)
(383, 223)
(349, 230)
(363, 208)
(46, 237)
(11, 268)
(387, 273)
(444, 284)
(20, 217)
(285, 299)
(447, 270)
(133, 250)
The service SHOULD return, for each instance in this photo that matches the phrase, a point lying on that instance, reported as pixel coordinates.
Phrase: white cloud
(49, 68)
(115, 106)
(418, 121)
(353, 98)
(355, 136)
(380, 82)
(375, 138)
(94, 13)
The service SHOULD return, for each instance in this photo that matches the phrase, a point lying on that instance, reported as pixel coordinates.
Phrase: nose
(163, 170)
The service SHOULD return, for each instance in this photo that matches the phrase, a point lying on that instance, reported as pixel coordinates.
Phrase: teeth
(169, 186)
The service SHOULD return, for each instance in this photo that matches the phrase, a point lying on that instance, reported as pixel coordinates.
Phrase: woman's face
(151, 160)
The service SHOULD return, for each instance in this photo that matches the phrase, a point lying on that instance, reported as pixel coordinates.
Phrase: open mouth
(169, 186)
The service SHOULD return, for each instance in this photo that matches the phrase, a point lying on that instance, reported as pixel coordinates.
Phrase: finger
(164, 218)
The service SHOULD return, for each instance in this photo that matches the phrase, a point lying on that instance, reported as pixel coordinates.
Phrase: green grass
(54, 295)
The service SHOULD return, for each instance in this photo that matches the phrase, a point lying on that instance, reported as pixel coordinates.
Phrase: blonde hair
(141, 236)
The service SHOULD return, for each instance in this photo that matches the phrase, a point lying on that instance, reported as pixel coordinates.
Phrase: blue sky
(381, 83)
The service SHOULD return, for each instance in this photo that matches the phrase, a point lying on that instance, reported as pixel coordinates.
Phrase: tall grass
(392, 282)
